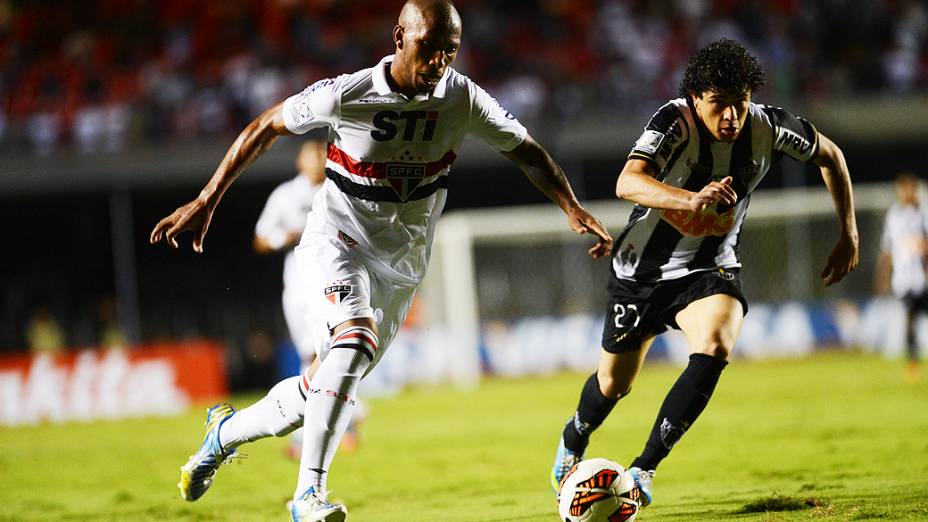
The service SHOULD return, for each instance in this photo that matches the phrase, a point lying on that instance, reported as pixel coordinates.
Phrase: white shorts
(341, 286)
(295, 310)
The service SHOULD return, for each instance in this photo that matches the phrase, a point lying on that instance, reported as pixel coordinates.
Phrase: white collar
(382, 87)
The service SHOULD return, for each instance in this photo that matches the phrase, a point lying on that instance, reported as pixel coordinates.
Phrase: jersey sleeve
(794, 136)
(663, 136)
(492, 123)
(317, 106)
(270, 225)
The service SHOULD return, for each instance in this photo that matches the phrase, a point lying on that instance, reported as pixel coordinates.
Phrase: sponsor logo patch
(331, 393)
(301, 112)
(705, 223)
(789, 141)
(649, 142)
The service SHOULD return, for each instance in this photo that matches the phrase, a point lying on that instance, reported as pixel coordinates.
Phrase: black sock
(685, 401)
(592, 410)
(911, 346)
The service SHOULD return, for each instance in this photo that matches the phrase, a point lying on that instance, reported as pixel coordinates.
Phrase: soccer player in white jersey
(691, 174)
(394, 130)
(904, 254)
(278, 229)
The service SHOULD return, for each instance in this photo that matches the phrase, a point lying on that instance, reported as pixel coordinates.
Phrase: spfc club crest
(337, 291)
(405, 178)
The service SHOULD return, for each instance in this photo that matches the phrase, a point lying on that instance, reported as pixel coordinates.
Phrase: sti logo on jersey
(405, 178)
(386, 123)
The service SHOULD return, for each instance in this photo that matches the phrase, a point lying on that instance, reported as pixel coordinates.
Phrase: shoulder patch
(649, 141)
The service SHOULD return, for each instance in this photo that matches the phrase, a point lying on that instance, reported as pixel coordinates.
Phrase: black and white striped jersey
(659, 245)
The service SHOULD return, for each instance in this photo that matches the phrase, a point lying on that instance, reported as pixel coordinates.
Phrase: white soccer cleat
(313, 507)
(643, 481)
(196, 476)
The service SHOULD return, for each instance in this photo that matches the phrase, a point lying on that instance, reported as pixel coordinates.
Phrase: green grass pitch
(831, 437)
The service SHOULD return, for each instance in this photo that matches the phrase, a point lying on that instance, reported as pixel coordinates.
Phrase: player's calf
(592, 410)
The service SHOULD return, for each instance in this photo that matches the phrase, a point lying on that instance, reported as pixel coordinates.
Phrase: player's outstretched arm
(638, 183)
(547, 175)
(196, 215)
(844, 256)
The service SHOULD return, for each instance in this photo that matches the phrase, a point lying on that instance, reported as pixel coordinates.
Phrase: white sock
(277, 413)
(329, 402)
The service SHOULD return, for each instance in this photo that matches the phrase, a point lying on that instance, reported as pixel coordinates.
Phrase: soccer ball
(597, 490)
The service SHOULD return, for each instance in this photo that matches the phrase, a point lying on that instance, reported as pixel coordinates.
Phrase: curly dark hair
(724, 65)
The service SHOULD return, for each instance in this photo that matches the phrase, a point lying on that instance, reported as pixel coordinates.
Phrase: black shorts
(638, 311)
(916, 303)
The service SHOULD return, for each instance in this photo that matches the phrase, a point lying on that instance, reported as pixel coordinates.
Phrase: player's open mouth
(430, 79)
(729, 132)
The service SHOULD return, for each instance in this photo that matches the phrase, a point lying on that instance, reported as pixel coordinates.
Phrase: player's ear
(398, 33)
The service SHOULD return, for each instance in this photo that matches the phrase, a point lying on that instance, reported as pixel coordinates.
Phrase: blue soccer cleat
(563, 461)
(643, 481)
(196, 476)
(313, 507)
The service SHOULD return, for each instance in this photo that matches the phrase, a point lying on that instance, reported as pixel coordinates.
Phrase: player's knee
(612, 387)
(715, 345)
(364, 322)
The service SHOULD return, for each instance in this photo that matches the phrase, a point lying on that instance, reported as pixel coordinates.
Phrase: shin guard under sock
(684, 402)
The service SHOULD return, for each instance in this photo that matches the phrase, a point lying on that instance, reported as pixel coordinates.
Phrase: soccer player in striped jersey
(676, 264)
(393, 133)
(904, 254)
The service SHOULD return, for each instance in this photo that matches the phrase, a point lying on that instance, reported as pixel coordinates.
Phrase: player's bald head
(427, 37)
(419, 16)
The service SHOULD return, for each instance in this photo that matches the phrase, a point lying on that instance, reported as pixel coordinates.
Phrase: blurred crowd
(102, 74)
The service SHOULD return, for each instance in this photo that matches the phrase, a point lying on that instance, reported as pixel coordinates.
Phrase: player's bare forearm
(547, 176)
(250, 145)
(837, 179)
(846, 253)
(196, 215)
(638, 183)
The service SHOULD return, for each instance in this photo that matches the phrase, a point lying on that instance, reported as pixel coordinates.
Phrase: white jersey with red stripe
(389, 157)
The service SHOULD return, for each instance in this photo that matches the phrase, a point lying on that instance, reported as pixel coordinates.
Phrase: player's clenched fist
(194, 216)
(715, 192)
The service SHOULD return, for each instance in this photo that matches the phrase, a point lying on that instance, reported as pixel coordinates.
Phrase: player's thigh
(617, 371)
(391, 303)
(336, 288)
(299, 325)
(712, 324)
